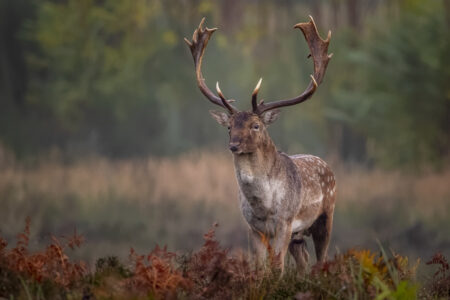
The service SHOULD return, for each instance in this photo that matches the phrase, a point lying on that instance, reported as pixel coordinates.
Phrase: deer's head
(247, 129)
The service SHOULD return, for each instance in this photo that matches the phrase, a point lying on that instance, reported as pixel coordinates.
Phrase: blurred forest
(115, 78)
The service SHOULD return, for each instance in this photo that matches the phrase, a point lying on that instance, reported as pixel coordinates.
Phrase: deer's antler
(198, 44)
(319, 53)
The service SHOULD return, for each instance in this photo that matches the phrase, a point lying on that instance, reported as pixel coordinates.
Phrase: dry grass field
(172, 200)
(205, 176)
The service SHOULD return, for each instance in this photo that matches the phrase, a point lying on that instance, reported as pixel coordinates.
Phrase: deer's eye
(256, 126)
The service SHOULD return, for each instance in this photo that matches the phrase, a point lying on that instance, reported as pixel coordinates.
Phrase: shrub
(439, 286)
(208, 273)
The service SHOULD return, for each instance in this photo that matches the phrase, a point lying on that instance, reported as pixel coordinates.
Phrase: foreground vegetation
(211, 272)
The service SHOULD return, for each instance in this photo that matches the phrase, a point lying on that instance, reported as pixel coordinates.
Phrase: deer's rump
(318, 190)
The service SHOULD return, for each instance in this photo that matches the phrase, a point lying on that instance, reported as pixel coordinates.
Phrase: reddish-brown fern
(440, 285)
(51, 264)
(155, 274)
(215, 273)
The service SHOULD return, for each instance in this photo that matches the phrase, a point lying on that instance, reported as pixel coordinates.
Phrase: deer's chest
(261, 197)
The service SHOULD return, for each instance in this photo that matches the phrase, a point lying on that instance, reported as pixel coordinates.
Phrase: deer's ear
(221, 117)
(270, 116)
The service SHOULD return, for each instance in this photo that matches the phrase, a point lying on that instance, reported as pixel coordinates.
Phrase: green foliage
(406, 94)
(94, 58)
(114, 77)
(405, 290)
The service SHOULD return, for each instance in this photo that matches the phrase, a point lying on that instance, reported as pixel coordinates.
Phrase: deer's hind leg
(298, 249)
(321, 233)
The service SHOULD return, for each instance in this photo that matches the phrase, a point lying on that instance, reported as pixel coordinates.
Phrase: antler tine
(319, 53)
(225, 102)
(197, 46)
(255, 95)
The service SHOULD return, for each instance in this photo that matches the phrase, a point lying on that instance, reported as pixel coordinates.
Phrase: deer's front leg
(258, 241)
(281, 243)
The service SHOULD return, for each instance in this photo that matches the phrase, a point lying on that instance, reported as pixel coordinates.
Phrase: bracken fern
(211, 272)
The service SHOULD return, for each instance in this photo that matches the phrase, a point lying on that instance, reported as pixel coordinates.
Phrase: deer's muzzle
(234, 147)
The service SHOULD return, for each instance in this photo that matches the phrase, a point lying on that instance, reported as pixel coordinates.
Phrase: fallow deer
(282, 197)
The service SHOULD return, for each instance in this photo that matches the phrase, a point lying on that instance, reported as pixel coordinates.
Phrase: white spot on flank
(316, 201)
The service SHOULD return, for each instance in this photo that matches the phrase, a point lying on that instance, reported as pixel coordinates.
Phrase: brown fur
(282, 197)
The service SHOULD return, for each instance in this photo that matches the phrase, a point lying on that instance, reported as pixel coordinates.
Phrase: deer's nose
(234, 146)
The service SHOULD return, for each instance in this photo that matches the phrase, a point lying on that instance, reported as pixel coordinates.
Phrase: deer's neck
(261, 181)
(259, 165)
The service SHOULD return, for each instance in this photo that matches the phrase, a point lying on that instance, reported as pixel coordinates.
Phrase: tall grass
(171, 201)
(204, 176)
